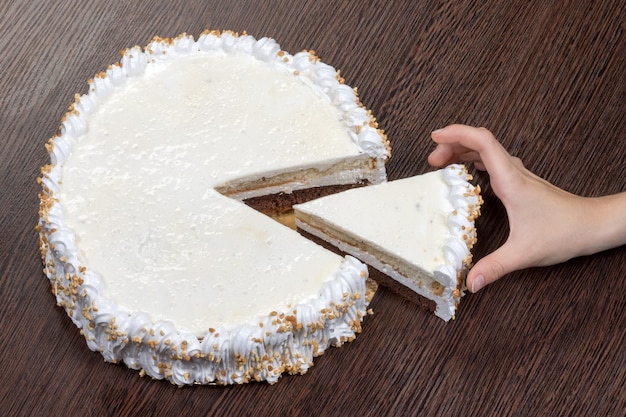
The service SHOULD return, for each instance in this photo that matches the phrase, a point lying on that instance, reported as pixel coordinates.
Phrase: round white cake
(144, 234)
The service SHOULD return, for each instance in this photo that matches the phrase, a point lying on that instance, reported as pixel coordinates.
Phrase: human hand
(546, 223)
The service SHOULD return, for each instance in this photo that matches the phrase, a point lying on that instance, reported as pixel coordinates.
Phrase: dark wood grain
(548, 78)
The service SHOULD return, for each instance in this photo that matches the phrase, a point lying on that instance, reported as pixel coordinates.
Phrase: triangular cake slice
(417, 233)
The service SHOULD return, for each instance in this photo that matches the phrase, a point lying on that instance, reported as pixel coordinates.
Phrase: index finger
(467, 138)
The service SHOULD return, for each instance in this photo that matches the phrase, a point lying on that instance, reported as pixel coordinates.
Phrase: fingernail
(478, 282)
(434, 132)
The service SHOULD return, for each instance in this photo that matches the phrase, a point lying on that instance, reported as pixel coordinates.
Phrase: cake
(151, 227)
(416, 233)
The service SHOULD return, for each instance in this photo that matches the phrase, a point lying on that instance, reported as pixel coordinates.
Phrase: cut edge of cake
(440, 289)
(283, 341)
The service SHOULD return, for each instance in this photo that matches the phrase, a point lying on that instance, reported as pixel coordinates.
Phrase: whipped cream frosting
(156, 267)
(425, 221)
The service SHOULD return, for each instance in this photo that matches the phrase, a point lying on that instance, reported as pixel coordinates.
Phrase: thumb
(490, 268)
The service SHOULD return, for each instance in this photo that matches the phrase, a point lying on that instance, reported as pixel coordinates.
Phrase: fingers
(445, 154)
(490, 268)
(442, 155)
(483, 275)
(510, 182)
(460, 143)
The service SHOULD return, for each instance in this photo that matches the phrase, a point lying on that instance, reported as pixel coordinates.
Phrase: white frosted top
(138, 188)
(406, 217)
(222, 116)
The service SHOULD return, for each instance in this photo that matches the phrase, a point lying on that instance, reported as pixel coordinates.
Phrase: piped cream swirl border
(466, 201)
(283, 341)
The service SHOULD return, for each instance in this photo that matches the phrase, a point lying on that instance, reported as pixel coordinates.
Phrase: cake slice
(416, 233)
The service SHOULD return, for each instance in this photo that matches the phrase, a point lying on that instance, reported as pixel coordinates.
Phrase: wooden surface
(548, 78)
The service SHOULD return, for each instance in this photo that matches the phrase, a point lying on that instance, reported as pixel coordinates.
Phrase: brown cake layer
(281, 203)
(381, 278)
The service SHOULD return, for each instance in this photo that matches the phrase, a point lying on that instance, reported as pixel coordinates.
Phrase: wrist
(604, 220)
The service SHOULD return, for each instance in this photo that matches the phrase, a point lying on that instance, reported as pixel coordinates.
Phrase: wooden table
(548, 78)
